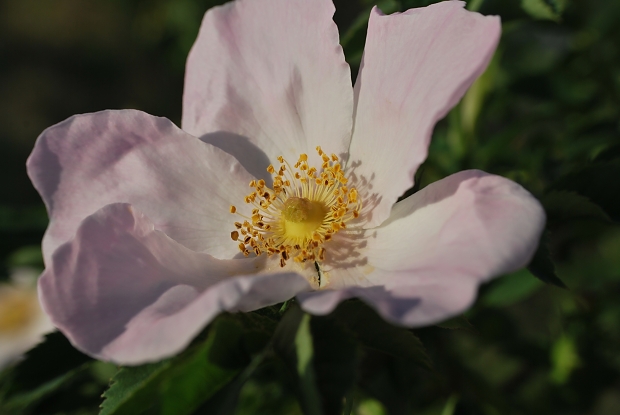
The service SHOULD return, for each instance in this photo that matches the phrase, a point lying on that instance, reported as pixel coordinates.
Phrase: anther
(299, 213)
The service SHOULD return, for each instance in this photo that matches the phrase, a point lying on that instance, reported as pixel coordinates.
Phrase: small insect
(319, 272)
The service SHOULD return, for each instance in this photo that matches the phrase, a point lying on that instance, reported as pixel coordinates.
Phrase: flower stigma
(305, 208)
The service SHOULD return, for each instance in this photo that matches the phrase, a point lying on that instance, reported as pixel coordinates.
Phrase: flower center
(301, 217)
(302, 211)
(17, 310)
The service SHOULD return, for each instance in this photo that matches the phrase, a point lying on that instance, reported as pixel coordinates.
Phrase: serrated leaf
(293, 343)
(179, 385)
(258, 328)
(375, 333)
(598, 183)
(562, 206)
(544, 9)
(541, 265)
(131, 389)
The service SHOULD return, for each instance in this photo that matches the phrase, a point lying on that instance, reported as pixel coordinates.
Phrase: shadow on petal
(252, 158)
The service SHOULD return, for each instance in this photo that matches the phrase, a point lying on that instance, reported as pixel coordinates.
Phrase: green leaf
(359, 25)
(562, 206)
(375, 333)
(38, 368)
(27, 256)
(132, 389)
(38, 375)
(450, 406)
(541, 265)
(510, 289)
(609, 154)
(598, 183)
(293, 343)
(24, 402)
(336, 357)
(474, 5)
(179, 385)
(354, 38)
(22, 219)
(371, 407)
(564, 358)
(544, 9)
(225, 401)
(258, 328)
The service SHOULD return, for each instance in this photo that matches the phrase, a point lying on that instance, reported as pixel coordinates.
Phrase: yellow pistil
(302, 211)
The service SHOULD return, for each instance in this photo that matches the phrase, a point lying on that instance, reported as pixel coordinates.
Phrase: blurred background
(545, 114)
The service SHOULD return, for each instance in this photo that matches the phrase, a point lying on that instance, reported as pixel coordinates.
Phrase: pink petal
(416, 66)
(272, 71)
(125, 292)
(183, 184)
(426, 261)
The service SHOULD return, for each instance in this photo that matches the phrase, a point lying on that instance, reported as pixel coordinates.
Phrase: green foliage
(179, 385)
(293, 342)
(563, 206)
(596, 183)
(38, 376)
(133, 389)
(541, 265)
(27, 256)
(375, 333)
(564, 358)
(511, 289)
(544, 9)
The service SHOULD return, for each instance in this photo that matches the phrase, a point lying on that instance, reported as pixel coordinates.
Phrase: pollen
(304, 208)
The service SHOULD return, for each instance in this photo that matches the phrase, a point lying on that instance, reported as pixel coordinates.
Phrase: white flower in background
(22, 322)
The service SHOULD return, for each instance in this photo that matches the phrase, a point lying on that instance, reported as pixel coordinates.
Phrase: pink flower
(139, 253)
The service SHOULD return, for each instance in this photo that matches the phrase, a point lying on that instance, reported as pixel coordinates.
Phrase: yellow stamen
(303, 210)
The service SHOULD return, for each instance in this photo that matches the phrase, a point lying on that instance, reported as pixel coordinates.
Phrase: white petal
(274, 72)
(416, 66)
(183, 184)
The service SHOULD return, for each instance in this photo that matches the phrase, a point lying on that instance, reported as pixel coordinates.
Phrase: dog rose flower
(282, 182)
